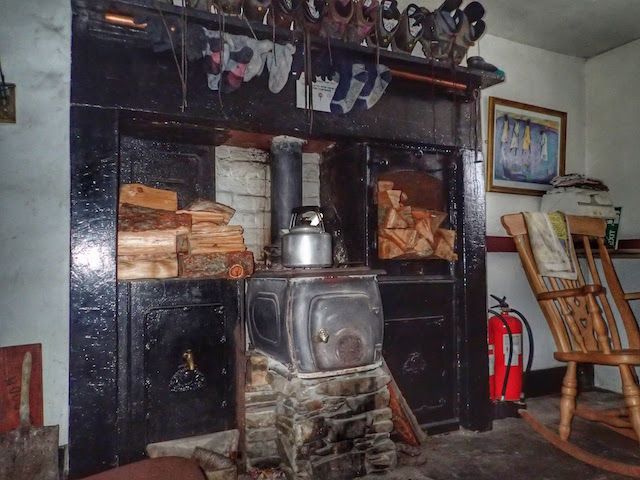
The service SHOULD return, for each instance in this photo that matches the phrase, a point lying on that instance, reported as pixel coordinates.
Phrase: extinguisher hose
(529, 335)
(506, 374)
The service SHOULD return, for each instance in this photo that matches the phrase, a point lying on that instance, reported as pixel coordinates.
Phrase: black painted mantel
(119, 86)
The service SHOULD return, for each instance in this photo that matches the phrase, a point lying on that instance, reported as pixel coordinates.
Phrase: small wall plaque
(8, 103)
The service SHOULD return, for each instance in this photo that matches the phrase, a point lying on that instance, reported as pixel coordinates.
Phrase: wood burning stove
(317, 322)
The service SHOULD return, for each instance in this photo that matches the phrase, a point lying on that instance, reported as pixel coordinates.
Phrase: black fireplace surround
(126, 338)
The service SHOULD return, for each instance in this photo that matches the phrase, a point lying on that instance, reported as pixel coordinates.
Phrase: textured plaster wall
(34, 184)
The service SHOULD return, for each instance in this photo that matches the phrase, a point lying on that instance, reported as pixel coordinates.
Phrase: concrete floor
(513, 451)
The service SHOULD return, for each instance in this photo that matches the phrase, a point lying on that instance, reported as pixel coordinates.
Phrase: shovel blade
(30, 454)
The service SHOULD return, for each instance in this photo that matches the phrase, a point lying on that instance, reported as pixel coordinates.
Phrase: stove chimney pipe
(286, 182)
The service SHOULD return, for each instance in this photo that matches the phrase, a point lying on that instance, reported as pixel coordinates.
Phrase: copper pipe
(425, 79)
(123, 21)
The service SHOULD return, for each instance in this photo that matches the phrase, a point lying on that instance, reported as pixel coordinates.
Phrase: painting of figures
(526, 147)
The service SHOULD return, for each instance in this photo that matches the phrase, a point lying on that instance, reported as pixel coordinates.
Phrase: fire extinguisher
(505, 352)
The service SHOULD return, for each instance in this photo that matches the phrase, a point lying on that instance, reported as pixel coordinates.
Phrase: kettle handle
(296, 212)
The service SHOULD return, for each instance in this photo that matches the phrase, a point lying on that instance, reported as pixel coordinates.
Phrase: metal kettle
(307, 244)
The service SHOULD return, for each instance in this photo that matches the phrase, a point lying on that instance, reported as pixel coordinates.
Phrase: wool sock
(351, 79)
(260, 48)
(279, 61)
(235, 69)
(379, 79)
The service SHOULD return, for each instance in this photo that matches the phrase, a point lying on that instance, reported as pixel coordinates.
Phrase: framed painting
(526, 147)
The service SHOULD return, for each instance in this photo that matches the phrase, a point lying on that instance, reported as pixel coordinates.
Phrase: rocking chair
(573, 310)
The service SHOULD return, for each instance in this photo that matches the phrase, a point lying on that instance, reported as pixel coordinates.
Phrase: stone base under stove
(331, 428)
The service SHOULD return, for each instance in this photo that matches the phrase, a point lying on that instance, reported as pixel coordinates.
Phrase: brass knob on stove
(323, 335)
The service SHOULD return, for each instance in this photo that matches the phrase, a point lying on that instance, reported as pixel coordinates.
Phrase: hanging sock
(378, 80)
(216, 58)
(235, 69)
(279, 62)
(260, 50)
(351, 80)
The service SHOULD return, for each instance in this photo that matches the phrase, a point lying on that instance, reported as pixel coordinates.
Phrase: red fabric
(163, 468)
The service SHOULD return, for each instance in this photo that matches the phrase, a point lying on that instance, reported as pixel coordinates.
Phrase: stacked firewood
(407, 232)
(156, 240)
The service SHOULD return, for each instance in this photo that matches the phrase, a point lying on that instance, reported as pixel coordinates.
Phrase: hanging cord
(4, 89)
(185, 63)
(183, 82)
(308, 76)
(221, 31)
(246, 20)
(530, 336)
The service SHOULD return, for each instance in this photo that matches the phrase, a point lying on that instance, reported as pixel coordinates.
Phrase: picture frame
(526, 147)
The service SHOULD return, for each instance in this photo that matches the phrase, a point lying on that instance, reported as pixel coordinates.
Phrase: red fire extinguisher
(505, 353)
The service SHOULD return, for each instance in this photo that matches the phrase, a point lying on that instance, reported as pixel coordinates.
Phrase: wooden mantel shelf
(406, 67)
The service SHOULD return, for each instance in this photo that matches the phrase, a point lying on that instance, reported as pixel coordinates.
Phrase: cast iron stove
(317, 322)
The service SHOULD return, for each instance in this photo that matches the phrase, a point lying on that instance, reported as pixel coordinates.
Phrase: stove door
(344, 328)
(342, 331)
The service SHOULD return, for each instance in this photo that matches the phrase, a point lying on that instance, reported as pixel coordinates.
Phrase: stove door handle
(322, 335)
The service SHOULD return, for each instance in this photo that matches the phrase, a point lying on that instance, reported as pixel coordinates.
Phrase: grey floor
(513, 451)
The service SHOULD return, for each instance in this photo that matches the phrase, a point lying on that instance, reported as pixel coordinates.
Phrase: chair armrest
(632, 296)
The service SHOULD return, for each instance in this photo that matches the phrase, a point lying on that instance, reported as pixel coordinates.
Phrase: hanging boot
(364, 20)
(386, 26)
(409, 29)
(439, 30)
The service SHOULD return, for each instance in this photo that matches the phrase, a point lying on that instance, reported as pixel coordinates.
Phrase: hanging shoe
(409, 29)
(479, 63)
(440, 28)
(229, 7)
(472, 28)
(337, 18)
(255, 10)
(387, 23)
(283, 13)
(364, 20)
(312, 13)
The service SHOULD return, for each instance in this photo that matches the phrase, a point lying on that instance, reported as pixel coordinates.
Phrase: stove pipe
(286, 182)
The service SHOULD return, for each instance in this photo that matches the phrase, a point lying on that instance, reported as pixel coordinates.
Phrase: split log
(445, 245)
(154, 242)
(219, 265)
(405, 213)
(143, 196)
(424, 229)
(423, 248)
(383, 186)
(393, 219)
(389, 198)
(387, 249)
(132, 218)
(207, 211)
(134, 267)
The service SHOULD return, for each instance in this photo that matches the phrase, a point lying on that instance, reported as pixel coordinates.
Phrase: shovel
(28, 453)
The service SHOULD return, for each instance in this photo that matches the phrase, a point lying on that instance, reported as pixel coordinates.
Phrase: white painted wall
(243, 181)
(549, 80)
(34, 182)
(613, 154)
(613, 135)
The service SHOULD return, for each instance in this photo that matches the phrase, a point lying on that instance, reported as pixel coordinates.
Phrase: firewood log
(424, 229)
(383, 185)
(225, 265)
(134, 267)
(154, 242)
(143, 196)
(423, 248)
(405, 213)
(132, 218)
(445, 241)
(210, 211)
(434, 217)
(393, 219)
(387, 249)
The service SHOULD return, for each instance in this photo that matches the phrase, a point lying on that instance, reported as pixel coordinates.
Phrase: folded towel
(551, 244)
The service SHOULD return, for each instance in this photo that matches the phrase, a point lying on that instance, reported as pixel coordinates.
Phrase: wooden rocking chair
(573, 310)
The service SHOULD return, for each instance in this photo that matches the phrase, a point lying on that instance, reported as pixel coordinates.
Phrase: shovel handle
(25, 421)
